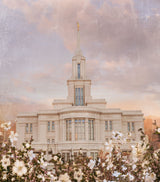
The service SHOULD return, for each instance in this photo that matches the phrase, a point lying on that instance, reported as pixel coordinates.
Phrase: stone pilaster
(73, 133)
(86, 129)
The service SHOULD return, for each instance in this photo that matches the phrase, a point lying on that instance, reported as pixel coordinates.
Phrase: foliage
(23, 165)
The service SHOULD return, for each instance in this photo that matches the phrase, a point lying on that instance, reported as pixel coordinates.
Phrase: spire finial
(78, 50)
(78, 26)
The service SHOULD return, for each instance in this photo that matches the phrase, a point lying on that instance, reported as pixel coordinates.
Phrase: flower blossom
(78, 175)
(5, 161)
(91, 164)
(43, 163)
(116, 174)
(109, 146)
(64, 178)
(19, 168)
(131, 177)
(55, 158)
(6, 125)
(158, 130)
(31, 155)
(13, 136)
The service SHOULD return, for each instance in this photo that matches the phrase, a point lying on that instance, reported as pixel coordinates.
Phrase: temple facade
(79, 121)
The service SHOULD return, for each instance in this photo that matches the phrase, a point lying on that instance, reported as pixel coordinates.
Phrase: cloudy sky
(119, 38)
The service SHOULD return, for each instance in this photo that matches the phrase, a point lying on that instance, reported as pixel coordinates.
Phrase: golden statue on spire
(77, 26)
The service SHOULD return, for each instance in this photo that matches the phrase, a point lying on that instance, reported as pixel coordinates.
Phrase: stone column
(96, 130)
(63, 132)
(56, 131)
(60, 130)
(102, 129)
(73, 134)
(42, 131)
(86, 129)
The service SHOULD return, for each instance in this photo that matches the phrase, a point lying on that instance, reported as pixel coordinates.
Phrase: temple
(79, 121)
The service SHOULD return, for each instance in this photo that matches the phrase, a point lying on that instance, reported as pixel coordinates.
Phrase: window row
(128, 139)
(108, 125)
(79, 129)
(28, 128)
(51, 126)
(67, 155)
(131, 127)
(50, 141)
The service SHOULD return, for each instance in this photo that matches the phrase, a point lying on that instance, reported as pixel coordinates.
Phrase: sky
(119, 38)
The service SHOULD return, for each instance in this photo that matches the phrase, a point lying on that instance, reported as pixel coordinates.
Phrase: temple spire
(78, 49)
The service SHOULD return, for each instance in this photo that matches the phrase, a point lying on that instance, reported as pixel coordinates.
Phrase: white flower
(4, 176)
(40, 176)
(64, 178)
(150, 177)
(53, 178)
(91, 164)
(31, 155)
(110, 165)
(27, 145)
(134, 153)
(131, 177)
(55, 158)
(124, 168)
(5, 161)
(3, 144)
(98, 172)
(13, 136)
(134, 166)
(117, 135)
(6, 125)
(109, 146)
(158, 130)
(19, 168)
(116, 174)
(43, 163)
(78, 175)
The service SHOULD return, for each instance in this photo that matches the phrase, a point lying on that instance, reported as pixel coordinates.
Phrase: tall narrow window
(91, 129)
(132, 126)
(53, 141)
(52, 125)
(79, 70)
(106, 125)
(26, 127)
(68, 130)
(110, 125)
(48, 125)
(79, 129)
(79, 96)
(94, 155)
(128, 126)
(31, 128)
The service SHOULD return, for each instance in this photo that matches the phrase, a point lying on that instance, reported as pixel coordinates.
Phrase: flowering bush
(157, 131)
(141, 164)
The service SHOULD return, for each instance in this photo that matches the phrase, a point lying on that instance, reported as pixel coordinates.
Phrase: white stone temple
(79, 121)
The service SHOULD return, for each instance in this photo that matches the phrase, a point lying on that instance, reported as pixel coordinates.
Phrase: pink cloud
(65, 13)
(23, 85)
(123, 49)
